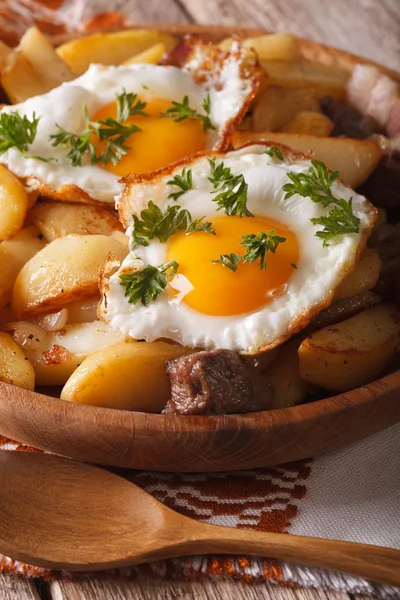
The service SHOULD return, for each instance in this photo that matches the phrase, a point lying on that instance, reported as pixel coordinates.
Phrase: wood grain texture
(206, 589)
(14, 588)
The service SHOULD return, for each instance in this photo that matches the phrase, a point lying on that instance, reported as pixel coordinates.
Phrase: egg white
(229, 92)
(312, 285)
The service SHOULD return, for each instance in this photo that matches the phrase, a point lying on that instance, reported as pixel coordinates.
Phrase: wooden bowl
(204, 443)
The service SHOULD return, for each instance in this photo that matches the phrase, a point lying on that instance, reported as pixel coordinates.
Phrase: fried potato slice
(111, 48)
(355, 160)
(66, 270)
(311, 123)
(128, 376)
(276, 106)
(152, 55)
(55, 220)
(284, 376)
(33, 68)
(364, 277)
(351, 353)
(325, 80)
(55, 355)
(272, 46)
(15, 368)
(14, 254)
(14, 204)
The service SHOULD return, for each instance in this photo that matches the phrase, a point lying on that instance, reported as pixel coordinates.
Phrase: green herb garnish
(16, 131)
(317, 184)
(259, 244)
(275, 152)
(232, 197)
(181, 110)
(145, 285)
(112, 131)
(183, 181)
(155, 223)
(229, 260)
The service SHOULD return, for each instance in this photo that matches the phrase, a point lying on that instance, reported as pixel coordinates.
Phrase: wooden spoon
(63, 514)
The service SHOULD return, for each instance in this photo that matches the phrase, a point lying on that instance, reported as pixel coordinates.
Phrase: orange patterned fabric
(260, 499)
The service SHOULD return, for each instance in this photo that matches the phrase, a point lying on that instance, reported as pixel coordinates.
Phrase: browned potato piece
(309, 122)
(354, 159)
(152, 56)
(5, 52)
(56, 356)
(351, 353)
(13, 204)
(14, 366)
(278, 105)
(66, 270)
(326, 80)
(54, 220)
(14, 254)
(111, 48)
(272, 46)
(284, 376)
(33, 68)
(364, 277)
(128, 376)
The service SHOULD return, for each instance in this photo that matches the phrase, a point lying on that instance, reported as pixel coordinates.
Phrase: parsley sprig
(275, 152)
(155, 223)
(112, 131)
(230, 261)
(183, 181)
(146, 285)
(16, 131)
(317, 185)
(257, 246)
(232, 197)
(181, 110)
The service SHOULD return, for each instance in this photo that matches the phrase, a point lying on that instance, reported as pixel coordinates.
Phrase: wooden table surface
(367, 27)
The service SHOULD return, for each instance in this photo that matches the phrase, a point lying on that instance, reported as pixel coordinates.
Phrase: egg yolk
(160, 142)
(219, 291)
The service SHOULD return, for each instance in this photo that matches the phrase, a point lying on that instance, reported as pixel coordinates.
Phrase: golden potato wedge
(351, 353)
(13, 204)
(284, 376)
(326, 80)
(14, 254)
(66, 270)
(354, 159)
(152, 55)
(40, 53)
(311, 123)
(5, 52)
(128, 376)
(272, 46)
(111, 48)
(15, 368)
(56, 355)
(57, 219)
(364, 277)
(20, 80)
(278, 105)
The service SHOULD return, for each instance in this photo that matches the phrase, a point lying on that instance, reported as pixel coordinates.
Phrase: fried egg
(251, 309)
(227, 79)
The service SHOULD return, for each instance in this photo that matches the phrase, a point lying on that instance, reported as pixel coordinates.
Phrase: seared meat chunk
(348, 120)
(216, 382)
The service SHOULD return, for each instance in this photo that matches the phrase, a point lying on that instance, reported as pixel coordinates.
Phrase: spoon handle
(371, 562)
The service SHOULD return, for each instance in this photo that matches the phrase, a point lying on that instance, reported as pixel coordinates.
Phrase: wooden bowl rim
(310, 411)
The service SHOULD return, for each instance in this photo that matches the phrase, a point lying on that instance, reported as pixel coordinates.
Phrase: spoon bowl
(62, 514)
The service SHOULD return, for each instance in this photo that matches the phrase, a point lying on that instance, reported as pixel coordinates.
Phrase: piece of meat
(215, 382)
(342, 310)
(383, 187)
(348, 120)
